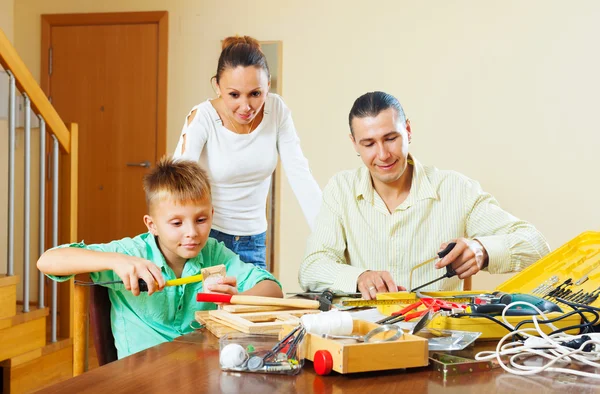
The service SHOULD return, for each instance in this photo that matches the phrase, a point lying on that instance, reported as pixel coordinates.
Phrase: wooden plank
(251, 308)
(215, 327)
(259, 322)
(10, 60)
(22, 338)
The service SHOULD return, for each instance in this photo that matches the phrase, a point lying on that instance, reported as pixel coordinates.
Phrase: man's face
(382, 143)
(182, 228)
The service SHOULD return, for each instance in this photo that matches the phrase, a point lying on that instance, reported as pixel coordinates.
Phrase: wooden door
(107, 78)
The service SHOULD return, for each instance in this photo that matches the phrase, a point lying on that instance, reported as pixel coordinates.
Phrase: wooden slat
(10, 60)
(251, 308)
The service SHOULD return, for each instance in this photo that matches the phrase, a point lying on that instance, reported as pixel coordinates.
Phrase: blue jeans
(251, 248)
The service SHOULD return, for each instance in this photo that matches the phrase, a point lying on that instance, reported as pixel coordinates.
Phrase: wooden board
(259, 322)
(213, 326)
(252, 308)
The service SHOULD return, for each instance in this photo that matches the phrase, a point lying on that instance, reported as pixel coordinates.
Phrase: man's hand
(131, 268)
(225, 285)
(370, 283)
(467, 258)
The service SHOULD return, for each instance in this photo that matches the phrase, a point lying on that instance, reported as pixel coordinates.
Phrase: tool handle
(414, 315)
(257, 300)
(449, 270)
(444, 252)
(214, 297)
(407, 309)
(173, 282)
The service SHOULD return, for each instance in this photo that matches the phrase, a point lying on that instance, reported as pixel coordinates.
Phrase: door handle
(145, 164)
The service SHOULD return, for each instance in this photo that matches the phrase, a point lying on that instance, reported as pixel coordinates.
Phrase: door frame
(161, 19)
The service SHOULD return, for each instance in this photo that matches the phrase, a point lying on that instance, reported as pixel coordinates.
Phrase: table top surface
(191, 364)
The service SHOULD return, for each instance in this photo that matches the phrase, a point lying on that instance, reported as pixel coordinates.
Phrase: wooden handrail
(10, 60)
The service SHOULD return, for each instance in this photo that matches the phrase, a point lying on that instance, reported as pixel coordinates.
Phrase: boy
(177, 245)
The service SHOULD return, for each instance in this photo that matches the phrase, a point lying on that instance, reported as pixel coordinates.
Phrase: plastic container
(251, 353)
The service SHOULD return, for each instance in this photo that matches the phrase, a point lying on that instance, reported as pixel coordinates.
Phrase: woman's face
(244, 91)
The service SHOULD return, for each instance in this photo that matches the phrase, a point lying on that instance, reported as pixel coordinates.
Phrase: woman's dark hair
(372, 103)
(241, 51)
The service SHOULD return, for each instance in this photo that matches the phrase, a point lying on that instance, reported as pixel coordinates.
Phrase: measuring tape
(400, 301)
(377, 302)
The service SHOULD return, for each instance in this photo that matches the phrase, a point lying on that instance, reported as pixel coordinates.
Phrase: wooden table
(191, 364)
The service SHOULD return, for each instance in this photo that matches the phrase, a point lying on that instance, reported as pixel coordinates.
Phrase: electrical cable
(557, 348)
(83, 283)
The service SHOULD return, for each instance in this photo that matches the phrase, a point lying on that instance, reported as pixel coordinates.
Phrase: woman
(237, 138)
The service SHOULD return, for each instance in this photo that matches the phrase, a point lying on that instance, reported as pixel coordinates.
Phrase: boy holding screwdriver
(176, 246)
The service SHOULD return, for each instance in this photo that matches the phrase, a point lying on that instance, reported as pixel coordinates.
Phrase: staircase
(37, 345)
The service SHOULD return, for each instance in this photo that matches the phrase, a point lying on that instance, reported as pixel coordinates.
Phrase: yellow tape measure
(376, 302)
(401, 301)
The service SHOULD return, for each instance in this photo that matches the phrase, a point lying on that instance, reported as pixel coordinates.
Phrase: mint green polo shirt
(145, 321)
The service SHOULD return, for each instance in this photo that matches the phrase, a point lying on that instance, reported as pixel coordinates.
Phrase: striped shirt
(355, 232)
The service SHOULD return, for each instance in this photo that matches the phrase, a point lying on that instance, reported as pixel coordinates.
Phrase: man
(378, 222)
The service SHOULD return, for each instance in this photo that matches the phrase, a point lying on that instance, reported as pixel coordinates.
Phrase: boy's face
(182, 228)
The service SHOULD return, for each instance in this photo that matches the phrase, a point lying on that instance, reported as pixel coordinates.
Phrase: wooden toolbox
(349, 356)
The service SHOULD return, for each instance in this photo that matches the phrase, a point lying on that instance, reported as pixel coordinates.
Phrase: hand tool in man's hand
(449, 271)
(257, 300)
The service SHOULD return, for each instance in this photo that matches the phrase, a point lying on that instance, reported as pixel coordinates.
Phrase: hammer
(323, 302)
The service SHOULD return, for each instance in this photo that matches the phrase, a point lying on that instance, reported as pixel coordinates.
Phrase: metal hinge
(50, 61)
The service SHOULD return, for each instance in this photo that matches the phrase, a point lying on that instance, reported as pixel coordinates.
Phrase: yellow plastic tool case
(579, 259)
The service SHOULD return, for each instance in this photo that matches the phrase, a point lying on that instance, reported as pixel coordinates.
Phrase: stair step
(22, 317)
(6, 280)
(8, 295)
(46, 350)
(54, 364)
(23, 333)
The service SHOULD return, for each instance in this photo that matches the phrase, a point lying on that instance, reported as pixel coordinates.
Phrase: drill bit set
(566, 291)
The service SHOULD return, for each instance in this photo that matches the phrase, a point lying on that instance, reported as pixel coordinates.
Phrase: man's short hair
(181, 180)
(372, 104)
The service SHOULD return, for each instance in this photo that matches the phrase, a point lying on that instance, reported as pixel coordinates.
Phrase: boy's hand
(225, 285)
(131, 268)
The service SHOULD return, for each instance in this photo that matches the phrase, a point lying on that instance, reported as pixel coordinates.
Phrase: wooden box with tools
(350, 356)
(571, 272)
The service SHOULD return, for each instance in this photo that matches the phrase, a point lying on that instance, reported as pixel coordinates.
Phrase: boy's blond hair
(181, 180)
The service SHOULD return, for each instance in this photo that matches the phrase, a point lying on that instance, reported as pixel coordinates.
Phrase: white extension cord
(543, 345)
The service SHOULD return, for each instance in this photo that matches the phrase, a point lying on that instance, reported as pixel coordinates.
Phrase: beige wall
(6, 17)
(505, 92)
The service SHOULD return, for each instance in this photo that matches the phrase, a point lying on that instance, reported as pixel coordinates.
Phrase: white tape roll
(332, 323)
